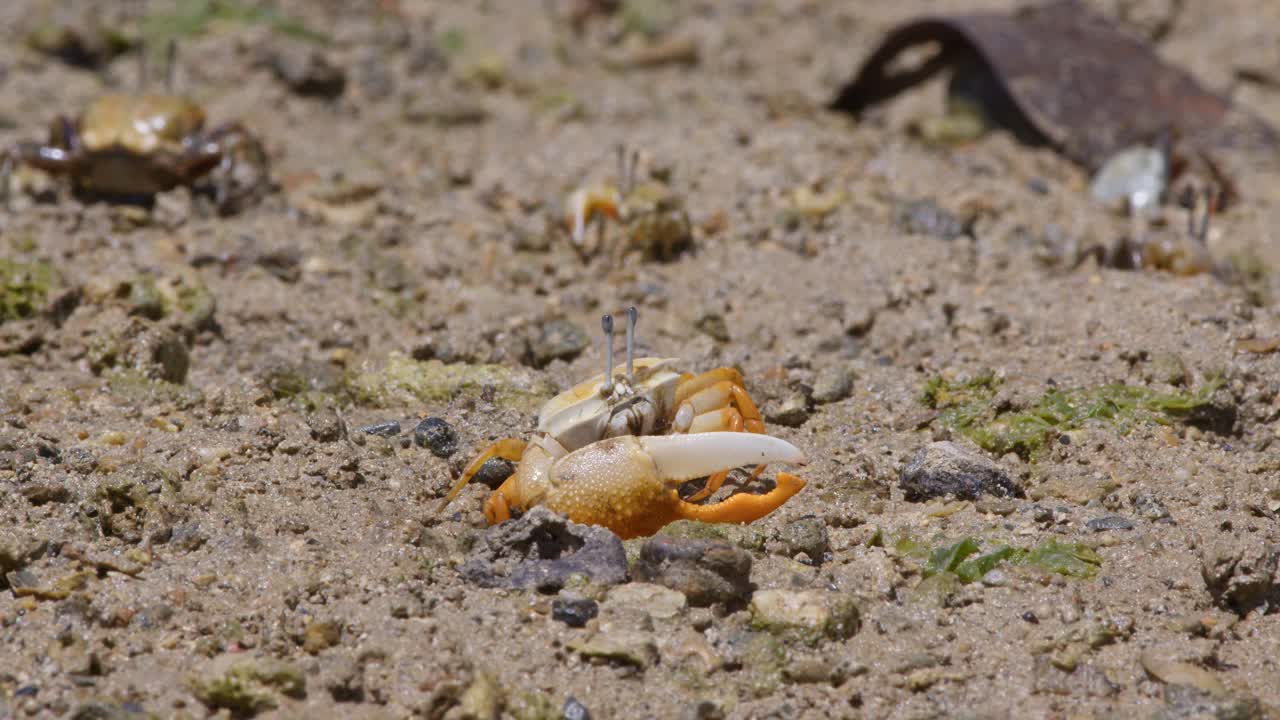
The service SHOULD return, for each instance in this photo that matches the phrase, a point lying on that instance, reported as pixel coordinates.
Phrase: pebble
(307, 71)
(811, 614)
(707, 572)
(1149, 508)
(388, 429)
(793, 411)
(833, 384)
(1110, 522)
(943, 469)
(436, 435)
(574, 710)
(1242, 574)
(926, 217)
(574, 612)
(658, 602)
(543, 550)
(326, 426)
(558, 340)
(807, 535)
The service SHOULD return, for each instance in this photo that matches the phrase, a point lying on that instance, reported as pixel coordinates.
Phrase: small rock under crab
(134, 145)
(613, 450)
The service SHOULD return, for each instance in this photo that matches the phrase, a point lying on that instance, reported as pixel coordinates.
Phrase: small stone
(659, 602)
(995, 578)
(494, 472)
(1167, 368)
(247, 686)
(558, 340)
(388, 429)
(574, 710)
(326, 426)
(574, 612)
(707, 572)
(1166, 669)
(1242, 575)
(704, 710)
(623, 647)
(833, 384)
(307, 71)
(926, 217)
(1149, 508)
(810, 615)
(543, 550)
(713, 325)
(1110, 522)
(807, 535)
(793, 411)
(321, 635)
(436, 435)
(482, 700)
(943, 469)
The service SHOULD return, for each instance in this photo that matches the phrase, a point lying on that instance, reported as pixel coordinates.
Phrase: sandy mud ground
(193, 521)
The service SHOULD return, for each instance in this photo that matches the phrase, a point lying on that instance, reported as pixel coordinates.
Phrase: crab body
(142, 144)
(615, 453)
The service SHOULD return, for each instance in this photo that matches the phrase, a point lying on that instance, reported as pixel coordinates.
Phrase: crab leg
(510, 449)
(721, 388)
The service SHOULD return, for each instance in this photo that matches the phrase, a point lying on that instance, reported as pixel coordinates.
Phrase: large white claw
(685, 457)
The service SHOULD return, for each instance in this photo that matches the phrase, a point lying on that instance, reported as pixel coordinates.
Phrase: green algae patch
(248, 686)
(969, 408)
(24, 288)
(966, 560)
(404, 381)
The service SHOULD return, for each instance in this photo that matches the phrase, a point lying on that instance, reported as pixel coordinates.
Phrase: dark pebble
(926, 217)
(494, 472)
(26, 691)
(944, 469)
(1031, 617)
(1111, 522)
(437, 436)
(707, 572)
(576, 612)
(388, 429)
(574, 710)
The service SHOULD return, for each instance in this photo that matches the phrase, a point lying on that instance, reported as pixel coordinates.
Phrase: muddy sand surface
(194, 520)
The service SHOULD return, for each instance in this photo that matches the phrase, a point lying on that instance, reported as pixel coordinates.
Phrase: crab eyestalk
(632, 316)
(606, 323)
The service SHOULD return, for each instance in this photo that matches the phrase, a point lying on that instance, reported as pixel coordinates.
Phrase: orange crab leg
(743, 507)
(510, 449)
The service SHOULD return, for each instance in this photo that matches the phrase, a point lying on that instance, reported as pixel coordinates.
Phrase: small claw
(684, 457)
(583, 204)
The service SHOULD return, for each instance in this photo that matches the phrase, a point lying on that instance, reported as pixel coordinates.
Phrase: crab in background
(651, 215)
(134, 145)
(613, 450)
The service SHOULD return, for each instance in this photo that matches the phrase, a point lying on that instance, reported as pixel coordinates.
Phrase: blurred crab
(652, 215)
(613, 450)
(138, 144)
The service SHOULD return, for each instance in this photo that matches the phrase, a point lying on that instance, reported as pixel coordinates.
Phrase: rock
(574, 710)
(943, 469)
(99, 710)
(557, 340)
(246, 685)
(1167, 670)
(153, 351)
(833, 384)
(807, 535)
(623, 647)
(306, 70)
(1242, 575)
(494, 472)
(713, 325)
(1149, 508)
(482, 700)
(1110, 522)
(1185, 702)
(321, 635)
(574, 612)
(387, 429)
(1167, 368)
(747, 537)
(436, 435)
(326, 426)
(543, 550)
(926, 217)
(658, 602)
(793, 411)
(403, 381)
(808, 615)
(706, 572)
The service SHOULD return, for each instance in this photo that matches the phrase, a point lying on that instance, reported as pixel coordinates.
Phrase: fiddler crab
(613, 450)
(651, 214)
(134, 145)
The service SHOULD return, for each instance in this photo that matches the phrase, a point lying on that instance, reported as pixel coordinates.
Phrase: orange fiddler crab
(143, 143)
(651, 215)
(613, 450)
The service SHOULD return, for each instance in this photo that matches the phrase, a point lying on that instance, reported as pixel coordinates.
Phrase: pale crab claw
(585, 203)
(628, 483)
(679, 458)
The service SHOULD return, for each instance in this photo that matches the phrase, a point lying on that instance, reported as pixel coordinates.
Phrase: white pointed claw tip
(684, 457)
